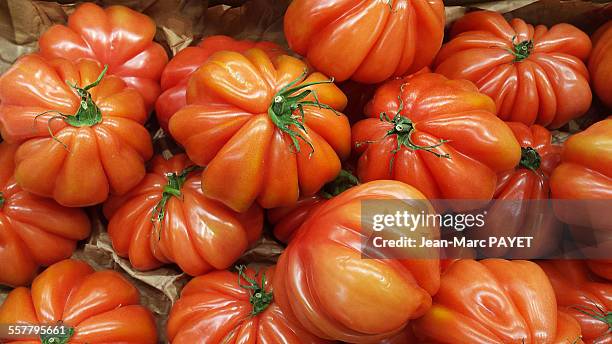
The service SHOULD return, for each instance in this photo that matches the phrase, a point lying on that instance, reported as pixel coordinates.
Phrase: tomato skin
(508, 218)
(34, 231)
(116, 36)
(227, 128)
(98, 159)
(575, 287)
(493, 301)
(480, 144)
(198, 234)
(585, 173)
(287, 220)
(374, 40)
(549, 87)
(102, 306)
(176, 74)
(191, 320)
(599, 63)
(323, 281)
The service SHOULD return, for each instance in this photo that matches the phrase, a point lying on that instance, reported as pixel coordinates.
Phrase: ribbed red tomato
(438, 135)
(600, 65)
(587, 298)
(115, 36)
(229, 308)
(34, 231)
(535, 75)
(176, 75)
(167, 219)
(101, 307)
(495, 301)
(81, 131)
(520, 206)
(286, 220)
(368, 41)
(338, 287)
(253, 120)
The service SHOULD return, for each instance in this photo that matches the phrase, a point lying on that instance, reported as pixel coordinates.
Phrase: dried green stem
(260, 299)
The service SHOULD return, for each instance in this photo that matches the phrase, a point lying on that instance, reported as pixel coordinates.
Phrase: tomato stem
(1, 200)
(530, 159)
(344, 181)
(598, 314)
(521, 50)
(260, 298)
(88, 114)
(287, 109)
(172, 189)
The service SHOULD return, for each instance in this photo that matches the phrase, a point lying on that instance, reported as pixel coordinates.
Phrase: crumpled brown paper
(184, 22)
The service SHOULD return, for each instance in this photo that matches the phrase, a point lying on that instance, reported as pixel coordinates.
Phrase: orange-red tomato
(176, 75)
(535, 75)
(286, 220)
(116, 36)
(586, 298)
(495, 301)
(167, 219)
(254, 122)
(438, 135)
(34, 231)
(78, 143)
(521, 206)
(229, 308)
(340, 289)
(600, 64)
(102, 306)
(367, 41)
(585, 175)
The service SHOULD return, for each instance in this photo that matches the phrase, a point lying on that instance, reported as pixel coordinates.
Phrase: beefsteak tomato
(265, 130)
(116, 36)
(101, 307)
(586, 298)
(585, 174)
(34, 231)
(229, 308)
(176, 75)
(535, 75)
(600, 65)
(81, 132)
(286, 220)
(495, 301)
(339, 287)
(368, 41)
(167, 219)
(438, 135)
(520, 206)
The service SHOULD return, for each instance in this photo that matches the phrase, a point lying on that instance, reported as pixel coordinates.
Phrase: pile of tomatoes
(266, 146)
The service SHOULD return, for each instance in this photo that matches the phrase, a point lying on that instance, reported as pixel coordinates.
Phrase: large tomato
(265, 129)
(167, 218)
(521, 206)
(81, 138)
(535, 75)
(116, 36)
(368, 41)
(286, 220)
(102, 306)
(587, 299)
(229, 308)
(495, 301)
(600, 65)
(584, 178)
(176, 75)
(438, 135)
(34, 231)
(338, 287)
